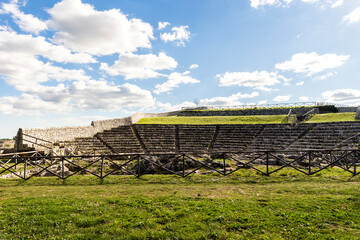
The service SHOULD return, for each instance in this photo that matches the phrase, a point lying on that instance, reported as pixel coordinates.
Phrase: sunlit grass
(248, 205)
(333, 117)
(255, 119)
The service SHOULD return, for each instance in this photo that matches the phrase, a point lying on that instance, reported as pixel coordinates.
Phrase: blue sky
(70, 62)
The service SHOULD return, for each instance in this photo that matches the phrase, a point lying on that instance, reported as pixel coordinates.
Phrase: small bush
(328, 109)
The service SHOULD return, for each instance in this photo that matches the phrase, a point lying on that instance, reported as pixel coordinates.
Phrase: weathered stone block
(357, 113)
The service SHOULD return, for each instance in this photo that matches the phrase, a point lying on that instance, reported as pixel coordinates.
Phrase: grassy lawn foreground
(244, 205)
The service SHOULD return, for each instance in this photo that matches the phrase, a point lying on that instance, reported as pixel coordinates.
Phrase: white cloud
(259, 3)
(300, 83)
(232, 100)
(310, 1)
(266, 89)
(312, 63)
(337, 3)
(12, 43)
(25, 73)
(162, 25)
(133, 66)
(262, 102)
(26, 22)
(27, 104)
(255, 79)
(327, 75)
(169, 107)
(193, 66)
(285, 3)
(108, 97)
(62, 98)
(304, 99)
(21, 68)
(174, 80)
(81, 28)
(341, 95)
(282, 98)
(352, 17)
(178, 34)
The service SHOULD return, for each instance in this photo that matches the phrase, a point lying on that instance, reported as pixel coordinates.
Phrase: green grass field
(245, 205)
(333, 117)
(256, 119)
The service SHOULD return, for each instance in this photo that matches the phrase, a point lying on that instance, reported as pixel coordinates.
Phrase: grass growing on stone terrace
(254, 119)
(245, 205)
(333, 117)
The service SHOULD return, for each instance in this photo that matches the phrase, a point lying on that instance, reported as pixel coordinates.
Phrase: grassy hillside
(256, 119)
(245, 205)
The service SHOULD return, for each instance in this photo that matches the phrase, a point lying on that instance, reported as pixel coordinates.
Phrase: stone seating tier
(217, 138)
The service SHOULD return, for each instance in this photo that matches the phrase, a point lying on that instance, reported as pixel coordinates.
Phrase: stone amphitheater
(124, 136)
(122, 146)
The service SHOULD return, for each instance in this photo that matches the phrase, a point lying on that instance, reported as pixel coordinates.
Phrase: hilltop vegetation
(255, 119)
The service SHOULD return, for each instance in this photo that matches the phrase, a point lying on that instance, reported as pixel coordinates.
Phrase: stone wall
(57, 134)
(347, 109)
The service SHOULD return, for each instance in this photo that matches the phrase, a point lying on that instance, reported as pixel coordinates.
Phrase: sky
(69, 62)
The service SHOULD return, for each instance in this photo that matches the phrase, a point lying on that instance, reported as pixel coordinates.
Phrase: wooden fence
(309, 162)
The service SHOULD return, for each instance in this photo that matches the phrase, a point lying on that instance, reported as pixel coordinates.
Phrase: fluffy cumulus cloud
(80, 95)
(108, 97)
(162, 25)
(22, 69)
(232, 100)
(353, 17)
(81, 28)
(284, 3)
(311, 63)
(259, 3)
(179, 35)
(133, 66)
(342, 95)
(169, 107)
(28, 104)
(193, 66)
(52, 73)
(282, 98)
(300, 83)
(260, 80)
(304, 99)
(337, 3)
(174, 80)
(12, 43)
(26, 22)
(327, 75)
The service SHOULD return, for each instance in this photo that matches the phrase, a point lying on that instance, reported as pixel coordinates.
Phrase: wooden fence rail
(308, 162)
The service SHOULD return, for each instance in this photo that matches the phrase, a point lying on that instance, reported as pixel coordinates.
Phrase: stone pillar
(19, 140)
(357, 113)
